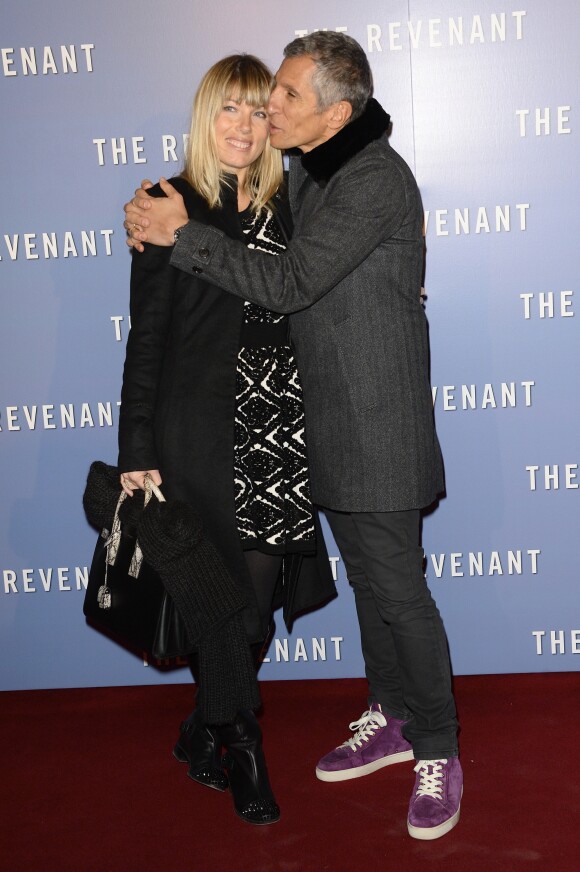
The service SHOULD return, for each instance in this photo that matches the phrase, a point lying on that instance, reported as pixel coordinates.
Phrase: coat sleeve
(152, 283)
(367, 206)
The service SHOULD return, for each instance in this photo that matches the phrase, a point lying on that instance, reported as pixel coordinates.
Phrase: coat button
(196, 269)
(203, 252)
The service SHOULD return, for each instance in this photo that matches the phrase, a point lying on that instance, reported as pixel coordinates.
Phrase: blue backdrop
(483, 100)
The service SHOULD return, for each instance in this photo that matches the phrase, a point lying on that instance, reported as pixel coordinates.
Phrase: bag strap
(137, 559)
(151, 488)
(115, 536)
(114, 540)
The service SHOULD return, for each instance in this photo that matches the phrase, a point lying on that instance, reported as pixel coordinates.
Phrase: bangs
(249, 84)
(242, 78)
(254, 97)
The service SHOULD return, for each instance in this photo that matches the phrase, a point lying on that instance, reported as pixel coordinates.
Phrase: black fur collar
(323, 161)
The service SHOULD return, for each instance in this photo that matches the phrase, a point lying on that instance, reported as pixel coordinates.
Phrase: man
(351, 279)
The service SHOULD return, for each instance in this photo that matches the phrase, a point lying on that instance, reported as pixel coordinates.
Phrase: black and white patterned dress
(272, 492)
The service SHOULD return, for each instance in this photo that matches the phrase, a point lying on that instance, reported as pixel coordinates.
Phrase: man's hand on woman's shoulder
(154, 219)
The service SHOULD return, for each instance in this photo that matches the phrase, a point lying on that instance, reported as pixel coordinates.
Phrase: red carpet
(89, 783)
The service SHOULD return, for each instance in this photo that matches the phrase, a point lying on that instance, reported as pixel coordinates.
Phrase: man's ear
(339, 115)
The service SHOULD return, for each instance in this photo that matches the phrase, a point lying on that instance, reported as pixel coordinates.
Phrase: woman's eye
(261, 114)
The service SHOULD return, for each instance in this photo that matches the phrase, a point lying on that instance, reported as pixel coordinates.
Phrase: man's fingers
(134, 224)
(134, 243)
(158, 225)
(141, 200)
(137, 235)
(167, 187)
(135, 220)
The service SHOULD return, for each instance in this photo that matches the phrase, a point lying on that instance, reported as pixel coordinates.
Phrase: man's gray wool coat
(351, 279)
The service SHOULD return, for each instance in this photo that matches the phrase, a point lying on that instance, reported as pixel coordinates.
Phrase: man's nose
(274, 102)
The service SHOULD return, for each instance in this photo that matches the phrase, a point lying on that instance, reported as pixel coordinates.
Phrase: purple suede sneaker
(436, 798)
(377, 742)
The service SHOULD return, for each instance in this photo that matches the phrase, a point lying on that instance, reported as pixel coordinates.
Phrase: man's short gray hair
(342, 68)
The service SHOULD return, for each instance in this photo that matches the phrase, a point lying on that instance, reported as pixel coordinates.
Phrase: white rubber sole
(427, 835)
(367, 769)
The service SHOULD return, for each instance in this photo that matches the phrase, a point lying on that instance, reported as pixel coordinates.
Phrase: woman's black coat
(178, 402)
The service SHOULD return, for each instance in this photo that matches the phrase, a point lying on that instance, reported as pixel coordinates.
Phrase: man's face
(295, 121)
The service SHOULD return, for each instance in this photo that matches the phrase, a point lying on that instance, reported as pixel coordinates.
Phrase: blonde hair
(244, 78)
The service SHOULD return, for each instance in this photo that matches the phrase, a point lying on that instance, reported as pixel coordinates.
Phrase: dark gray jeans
(403, 639)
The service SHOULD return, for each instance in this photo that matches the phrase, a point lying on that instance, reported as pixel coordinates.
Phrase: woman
(211, 406)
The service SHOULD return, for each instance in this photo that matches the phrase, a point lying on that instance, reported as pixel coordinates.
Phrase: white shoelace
(368, 723)
(430, 778)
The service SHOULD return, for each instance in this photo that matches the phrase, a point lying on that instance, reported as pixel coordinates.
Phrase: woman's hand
(131, 481)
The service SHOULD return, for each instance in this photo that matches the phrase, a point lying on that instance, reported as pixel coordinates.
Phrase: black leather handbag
(125, 597)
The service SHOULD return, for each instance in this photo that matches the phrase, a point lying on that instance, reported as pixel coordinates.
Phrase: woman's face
(241, 133)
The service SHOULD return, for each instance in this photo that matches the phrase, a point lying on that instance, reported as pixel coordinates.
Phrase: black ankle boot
(199, 745)
(246, 767)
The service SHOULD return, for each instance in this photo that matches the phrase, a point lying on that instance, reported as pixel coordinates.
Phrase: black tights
(264, 570)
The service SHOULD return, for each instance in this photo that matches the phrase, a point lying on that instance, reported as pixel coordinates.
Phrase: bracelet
(177, 233)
